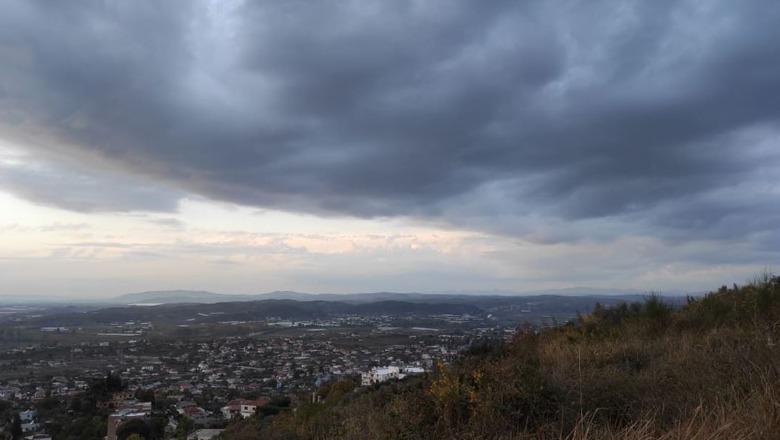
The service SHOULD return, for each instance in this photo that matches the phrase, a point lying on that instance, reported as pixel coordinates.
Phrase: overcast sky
(353, 146)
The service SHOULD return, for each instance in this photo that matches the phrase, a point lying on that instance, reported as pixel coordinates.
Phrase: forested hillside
(708, 370)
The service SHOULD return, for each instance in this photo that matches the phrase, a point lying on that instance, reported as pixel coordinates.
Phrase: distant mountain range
(204, 297)
(184, 306)
(251, 311)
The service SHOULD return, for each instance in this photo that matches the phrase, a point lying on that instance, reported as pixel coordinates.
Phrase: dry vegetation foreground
(710, 370)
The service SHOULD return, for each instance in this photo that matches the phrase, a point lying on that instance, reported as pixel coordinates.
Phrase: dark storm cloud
(81, 191)
(479, 114)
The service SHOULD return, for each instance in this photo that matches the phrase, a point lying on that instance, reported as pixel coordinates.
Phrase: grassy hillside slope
(710, 370)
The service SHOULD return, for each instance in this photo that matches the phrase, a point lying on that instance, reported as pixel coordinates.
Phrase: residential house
(243, 407)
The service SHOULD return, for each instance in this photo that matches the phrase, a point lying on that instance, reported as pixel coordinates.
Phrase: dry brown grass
(754, 418)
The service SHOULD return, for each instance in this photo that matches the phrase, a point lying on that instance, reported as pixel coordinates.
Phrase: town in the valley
(192, 379)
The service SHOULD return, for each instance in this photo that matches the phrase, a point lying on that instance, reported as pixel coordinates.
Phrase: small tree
(185, 427)
(134, 427)
(16, 427)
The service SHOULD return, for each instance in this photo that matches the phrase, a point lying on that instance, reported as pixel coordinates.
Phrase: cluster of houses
(283, 365)
(128, 410)
(30, 426)
(30, 390)
(226, 374)
(226, 366)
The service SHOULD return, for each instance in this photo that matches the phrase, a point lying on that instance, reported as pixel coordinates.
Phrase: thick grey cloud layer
(85, 191)
(588, 118)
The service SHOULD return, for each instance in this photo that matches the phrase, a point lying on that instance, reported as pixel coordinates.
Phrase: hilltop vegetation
(708, 370)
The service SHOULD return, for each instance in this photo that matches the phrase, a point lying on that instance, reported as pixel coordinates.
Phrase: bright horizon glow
(232, 249)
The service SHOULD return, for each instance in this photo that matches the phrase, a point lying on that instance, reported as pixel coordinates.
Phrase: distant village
(210, 382)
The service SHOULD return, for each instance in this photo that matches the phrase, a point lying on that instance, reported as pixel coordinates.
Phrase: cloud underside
(555, 121)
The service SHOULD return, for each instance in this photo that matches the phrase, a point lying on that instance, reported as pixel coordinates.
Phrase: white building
(28, 415)
(413, 370)
(376, 375)
(382, 374)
